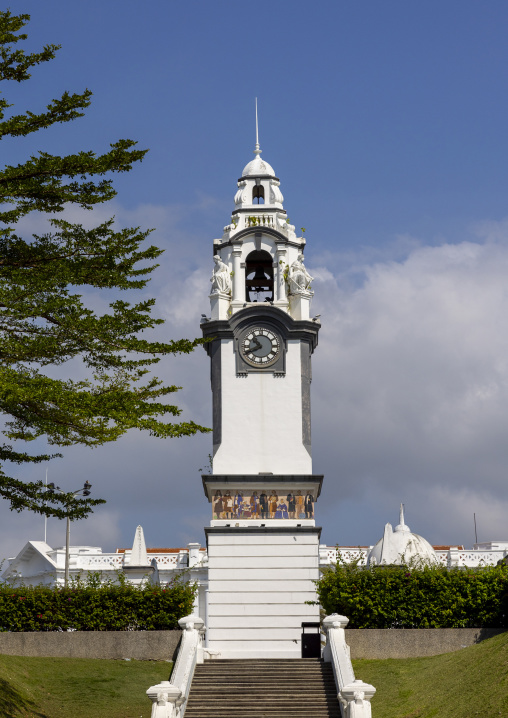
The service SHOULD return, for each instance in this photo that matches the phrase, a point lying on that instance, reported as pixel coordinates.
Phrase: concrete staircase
(263, 688)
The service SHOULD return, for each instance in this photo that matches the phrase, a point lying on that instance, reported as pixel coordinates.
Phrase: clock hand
(257, 344)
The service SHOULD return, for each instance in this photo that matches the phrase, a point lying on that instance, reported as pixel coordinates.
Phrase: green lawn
(77, 687)
(467, 683)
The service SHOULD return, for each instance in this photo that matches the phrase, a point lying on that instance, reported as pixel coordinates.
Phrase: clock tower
(263, 544)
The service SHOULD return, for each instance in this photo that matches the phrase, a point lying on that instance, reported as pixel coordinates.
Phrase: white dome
(257, 167)
(400, 545)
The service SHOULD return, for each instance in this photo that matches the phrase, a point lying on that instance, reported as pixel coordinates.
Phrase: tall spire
(401, 525)
(257, 151)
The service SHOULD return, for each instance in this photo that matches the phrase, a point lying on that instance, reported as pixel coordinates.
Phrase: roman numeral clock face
(260, 346)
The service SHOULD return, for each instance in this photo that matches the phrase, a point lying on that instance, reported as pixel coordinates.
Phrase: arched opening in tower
(258, 194)
(259, 277)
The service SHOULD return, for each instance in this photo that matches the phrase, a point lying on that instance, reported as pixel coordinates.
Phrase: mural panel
(270, 504)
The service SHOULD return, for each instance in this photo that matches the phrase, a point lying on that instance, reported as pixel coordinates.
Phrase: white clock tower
(263, 544)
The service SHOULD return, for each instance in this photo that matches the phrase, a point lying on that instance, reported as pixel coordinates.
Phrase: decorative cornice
(218, 530)
(268, 177)
(305, 330)
(259, 209)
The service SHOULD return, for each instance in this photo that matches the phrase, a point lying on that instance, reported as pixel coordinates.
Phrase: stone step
(272, 677)
(264, 671)
(294, 665)
(329, 712)
(257, 689)
(261, 661)
(263, 688)
(266, 706)
(271, 698)
(307, 713)
(253, 709)
(256, 713)
(257, 686)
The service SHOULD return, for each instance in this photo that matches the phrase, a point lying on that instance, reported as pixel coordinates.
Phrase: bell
(260, 274)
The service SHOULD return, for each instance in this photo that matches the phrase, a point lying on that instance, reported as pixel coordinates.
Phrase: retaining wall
(162, 645)
(141, 645)
(413, 642)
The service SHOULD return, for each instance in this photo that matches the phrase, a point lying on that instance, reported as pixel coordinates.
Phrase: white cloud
(412, 373)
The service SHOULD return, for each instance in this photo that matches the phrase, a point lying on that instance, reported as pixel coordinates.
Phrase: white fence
(451, 558)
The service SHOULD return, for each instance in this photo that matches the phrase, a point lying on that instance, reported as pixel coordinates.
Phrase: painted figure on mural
(309, 506)
(218, 506)
(282, 510)
(274, 500)
(246, 508)
(238, 509)
(263, 505)
(291, 502)
(300, 511)
(228, 505)
(254, 505)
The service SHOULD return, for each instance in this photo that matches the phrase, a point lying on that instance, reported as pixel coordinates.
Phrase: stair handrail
(169, 698)
(353, 694)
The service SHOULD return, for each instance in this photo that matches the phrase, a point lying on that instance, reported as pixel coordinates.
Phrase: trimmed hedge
(95, 608)
(421, 597)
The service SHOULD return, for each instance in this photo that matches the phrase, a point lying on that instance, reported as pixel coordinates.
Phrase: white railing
(442, 557)
(169, 698)
(450, 558)
(92, 562)
(354, 695)
(259, 220)
(459, 557)
(329, 555)
(165, 560)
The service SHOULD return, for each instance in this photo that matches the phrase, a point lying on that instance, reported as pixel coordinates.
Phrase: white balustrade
(460, 558)
(332, 555)
(169, 698)
(165, 560)
(259, 220)
(353, 694)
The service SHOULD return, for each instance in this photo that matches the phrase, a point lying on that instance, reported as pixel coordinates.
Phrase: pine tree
(45, 323)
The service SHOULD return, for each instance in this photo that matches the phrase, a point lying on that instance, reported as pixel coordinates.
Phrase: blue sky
(387, 125)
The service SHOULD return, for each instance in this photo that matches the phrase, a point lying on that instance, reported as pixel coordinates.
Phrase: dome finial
(401, 525)
(257, 151)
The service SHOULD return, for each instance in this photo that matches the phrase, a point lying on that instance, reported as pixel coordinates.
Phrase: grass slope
(467, 683)
(77, 687)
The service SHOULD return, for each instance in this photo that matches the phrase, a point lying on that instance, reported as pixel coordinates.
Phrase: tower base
(259, 581)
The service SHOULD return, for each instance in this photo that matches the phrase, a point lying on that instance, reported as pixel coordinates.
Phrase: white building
(39, 564)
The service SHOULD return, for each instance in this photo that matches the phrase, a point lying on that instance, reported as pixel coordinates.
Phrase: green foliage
(95, 607)
(416, 597)
(43, 323)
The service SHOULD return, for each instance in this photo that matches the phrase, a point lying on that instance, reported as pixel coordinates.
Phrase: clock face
(260, 346)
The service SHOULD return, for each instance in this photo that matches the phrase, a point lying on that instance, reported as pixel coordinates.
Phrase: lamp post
(85, 491)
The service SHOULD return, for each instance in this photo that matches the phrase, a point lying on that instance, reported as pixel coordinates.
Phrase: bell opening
(259, 277)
